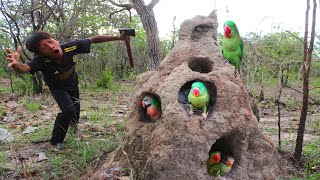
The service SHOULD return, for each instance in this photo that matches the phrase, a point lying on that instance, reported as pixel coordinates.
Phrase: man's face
(50, 48)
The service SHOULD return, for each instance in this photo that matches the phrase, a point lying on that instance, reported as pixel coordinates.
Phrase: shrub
(106, 79)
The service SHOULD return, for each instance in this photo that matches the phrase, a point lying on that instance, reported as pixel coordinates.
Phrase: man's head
(43, 44)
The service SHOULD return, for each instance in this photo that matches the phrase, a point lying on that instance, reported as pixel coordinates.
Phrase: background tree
(149, 23)
(307, 58)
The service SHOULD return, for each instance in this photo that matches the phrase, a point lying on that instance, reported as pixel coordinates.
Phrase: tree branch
(36, 8)
(295, 36)
(314, 88)
(317, 102)
(153, 3)
(127, 7)
(120, 5)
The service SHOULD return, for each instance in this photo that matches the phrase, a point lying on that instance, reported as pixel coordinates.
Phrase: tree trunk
(307, 58)
(149, 23)
(38, 85)
(279, 104)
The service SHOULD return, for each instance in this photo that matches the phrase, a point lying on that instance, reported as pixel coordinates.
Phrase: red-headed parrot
(199, 98)
(214, 158)
(221, 168)
(152, 106)
(232, 45)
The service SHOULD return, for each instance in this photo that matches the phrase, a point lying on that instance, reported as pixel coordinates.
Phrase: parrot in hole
(152, 106)
(221, 168)
(214, 158)
(199, 98)
(232, 45)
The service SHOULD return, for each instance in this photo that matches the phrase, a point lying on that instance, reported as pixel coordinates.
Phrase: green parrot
(221, 168)
(232, 45)
(199, 98)
(152, 107)
(214, 158)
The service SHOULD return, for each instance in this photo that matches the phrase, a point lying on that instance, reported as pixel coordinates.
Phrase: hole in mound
(220, 160)
(149, 107)
(201, 65)
(200, 31)
(185, 90)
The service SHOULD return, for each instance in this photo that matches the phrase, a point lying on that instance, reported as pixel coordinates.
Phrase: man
(57, 63)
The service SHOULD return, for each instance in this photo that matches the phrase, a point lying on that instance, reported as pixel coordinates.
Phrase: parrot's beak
(227, 31)
(230, 163)
(143, 104)
(196, 92)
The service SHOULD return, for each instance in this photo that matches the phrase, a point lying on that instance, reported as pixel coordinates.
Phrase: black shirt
(61, 75)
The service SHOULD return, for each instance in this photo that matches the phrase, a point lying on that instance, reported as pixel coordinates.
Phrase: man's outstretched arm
(13, 58)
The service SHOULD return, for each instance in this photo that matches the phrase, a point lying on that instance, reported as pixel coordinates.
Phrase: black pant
(69, 104)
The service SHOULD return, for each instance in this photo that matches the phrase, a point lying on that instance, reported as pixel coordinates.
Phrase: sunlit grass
(40, 134)
(1, 111)
(33, 106)
(3, 157)
(311, 153)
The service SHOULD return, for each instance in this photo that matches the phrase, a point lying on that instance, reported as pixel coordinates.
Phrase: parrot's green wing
(218, 169)
(224, 169)
(214, 170)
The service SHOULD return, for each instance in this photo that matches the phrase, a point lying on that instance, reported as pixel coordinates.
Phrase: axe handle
(129, 53)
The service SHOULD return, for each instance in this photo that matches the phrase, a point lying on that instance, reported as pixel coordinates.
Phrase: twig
(314, 88)
(295, 36)
(317, 102)
(127, 7)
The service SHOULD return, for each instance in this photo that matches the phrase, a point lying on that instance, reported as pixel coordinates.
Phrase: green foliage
(39, 135)
(166, 46)
(288, 144)
(95, 117)
(266, 56)
(1, 111)
(33, 106)
(129, 74)
(3, 72)
(106, 78)
(3, 157)
(85, 153)
(271, 131)
(312, 154)
(23, 86)
(24, 100)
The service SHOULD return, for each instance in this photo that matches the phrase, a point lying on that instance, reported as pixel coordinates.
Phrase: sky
(260, 16)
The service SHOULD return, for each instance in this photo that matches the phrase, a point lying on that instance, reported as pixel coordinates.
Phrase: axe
(128, 32)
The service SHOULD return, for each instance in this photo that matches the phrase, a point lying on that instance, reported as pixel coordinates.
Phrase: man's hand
(14, 64)
(13, 57)
(124, 37)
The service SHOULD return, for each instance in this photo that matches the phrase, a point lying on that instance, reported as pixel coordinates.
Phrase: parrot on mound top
(232, 45)
(199, 98)
(152, 107)
(221, 168)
